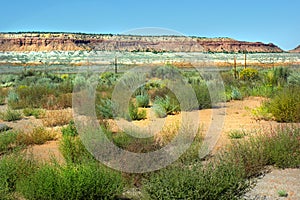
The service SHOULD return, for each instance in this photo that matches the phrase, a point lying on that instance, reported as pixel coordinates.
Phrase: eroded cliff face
(296, 50)
(73, 42)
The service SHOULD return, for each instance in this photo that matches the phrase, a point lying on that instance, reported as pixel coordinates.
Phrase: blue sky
(253, 20)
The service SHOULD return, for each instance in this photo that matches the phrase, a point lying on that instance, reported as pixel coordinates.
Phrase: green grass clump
(84, 181)
(249, 74)
(236, 134)
(8, 141)
(10, 115)
(73, 150)
(70, 129)
(262, 112)
(135, 113)
(165, 106)
(282, 193)
(105, 109)
(37, 113)
(13, 168)
(142, 100)
(3, 92)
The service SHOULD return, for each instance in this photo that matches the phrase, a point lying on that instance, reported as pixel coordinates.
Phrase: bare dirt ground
(238, 117)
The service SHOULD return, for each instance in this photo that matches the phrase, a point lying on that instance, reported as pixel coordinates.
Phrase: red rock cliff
(72, 42)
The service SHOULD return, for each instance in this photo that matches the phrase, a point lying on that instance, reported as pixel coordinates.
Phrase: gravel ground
(267, 187)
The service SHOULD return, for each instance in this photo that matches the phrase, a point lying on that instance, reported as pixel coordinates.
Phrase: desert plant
(84, 181)
(249, 74)
(236, 94)
(37, 113)
(282, 146)
(165, 106)
(39, 135)
(70, 129)
(262, 112)
(73, 150)
(282, 193)
(106, 109)
(142, 100)
(13, 168)
(3, 94)
(8, 141)
(294, 79)
(203, 96)
(57, 118)
(236, 134)
(222, 181)
(135, 113)
(10, 115)
(285, 106)
(279, 146)
(13, 99)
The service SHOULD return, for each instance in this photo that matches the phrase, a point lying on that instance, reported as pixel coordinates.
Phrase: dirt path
(268, 186)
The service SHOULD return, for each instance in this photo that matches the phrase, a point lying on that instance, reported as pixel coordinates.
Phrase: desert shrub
(165, 72)
(285, 105)
(57, 118)
(236, 94)
(13, 168)
(46, 95)
(215, 181)
(294, 79)
(202, 95)
(165, 106)
(249, 74)
(142, 100)
(70, 129)
(84, 181)
(64, 101)
(281, 74)
(279, 146)
(10, 115)
(37, 113)
(250, 153)
(263, 90)
(2, 100)
(13, 99)
(135, 113)
(262, 112)
(282, 147)
(108, 78)
(106, 109)
(8, 141)
(7, 80)
(73, 150)
(3, 94)
(126, 141)
(39, 135)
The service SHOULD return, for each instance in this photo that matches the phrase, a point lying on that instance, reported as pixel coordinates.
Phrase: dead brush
(57, 117)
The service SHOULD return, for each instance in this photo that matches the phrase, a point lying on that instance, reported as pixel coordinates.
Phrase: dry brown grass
(57, 117)
(38, 135)
(167, 134)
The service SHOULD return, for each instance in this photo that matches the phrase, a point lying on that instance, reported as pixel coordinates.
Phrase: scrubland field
(42, 155)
